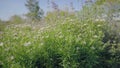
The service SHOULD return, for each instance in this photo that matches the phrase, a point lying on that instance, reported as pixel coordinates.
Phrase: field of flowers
(63, 37)
(69, 43)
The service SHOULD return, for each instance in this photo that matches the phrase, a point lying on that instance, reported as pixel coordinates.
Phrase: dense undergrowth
(88, 38)
(69, 43)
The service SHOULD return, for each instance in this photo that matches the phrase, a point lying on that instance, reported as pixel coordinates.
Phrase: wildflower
(51, 59)
(42, 37)
(42, 28)
(84, 24)
(61, 36)
(47, 36)
(1, 43)
(71, 20)
(98, 25)
(35, 37)
(84, 42)
(92, 47)
(78, 48)
(102, 20)
(1, 63)
(96, 19)
(61, 49)
(41, 43)
(34, 27)
(27, 44)
(95, 36)
(12, 57)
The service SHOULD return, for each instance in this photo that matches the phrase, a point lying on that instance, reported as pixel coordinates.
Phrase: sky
(9, 8)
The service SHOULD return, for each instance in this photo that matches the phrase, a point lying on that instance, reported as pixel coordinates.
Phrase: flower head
(27, 44)
(1, 43)
(12, 57)
(95, 36)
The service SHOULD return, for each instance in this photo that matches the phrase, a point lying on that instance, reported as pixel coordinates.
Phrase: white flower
(1, 43)
(102, 20)
(84, 42)
(27, 44)
(60, 33)
(47, 36)
(71, 20)
(61, 36)
(35, 37)
(1, 63)
(42, 37)
(42, 28)
(96, 19)
(78, 48)
(98, 25)
(42, 44)
(92, 47)
(34, 27)
(84, 24)
(95, 36)
(12, 57)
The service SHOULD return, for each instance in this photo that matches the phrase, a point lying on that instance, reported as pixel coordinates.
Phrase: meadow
(65, 40)
(69, 43)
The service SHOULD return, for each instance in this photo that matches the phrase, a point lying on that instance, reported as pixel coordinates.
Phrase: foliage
(52, 17)
(111, 53)
(109, 56)
(35, 12)
(54, 5)
(68, 41)
(16, 19)
(1, 25)
(68, 44)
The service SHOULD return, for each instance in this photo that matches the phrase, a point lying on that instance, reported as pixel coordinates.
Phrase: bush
(110, 54)
(69, 44)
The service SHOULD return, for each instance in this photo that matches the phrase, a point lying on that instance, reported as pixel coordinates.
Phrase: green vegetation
(68, 44)
(69, 40)
(35, 12)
